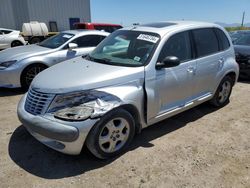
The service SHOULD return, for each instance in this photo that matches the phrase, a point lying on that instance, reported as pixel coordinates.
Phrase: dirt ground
(203, 147)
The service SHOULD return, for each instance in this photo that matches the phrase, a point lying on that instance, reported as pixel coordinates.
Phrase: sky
(126, 12)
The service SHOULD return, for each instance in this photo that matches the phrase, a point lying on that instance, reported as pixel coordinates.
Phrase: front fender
(131, 93)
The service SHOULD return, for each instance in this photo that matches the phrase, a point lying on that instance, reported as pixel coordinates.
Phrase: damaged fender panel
(131, 93)
(83, 105)
(95, 103)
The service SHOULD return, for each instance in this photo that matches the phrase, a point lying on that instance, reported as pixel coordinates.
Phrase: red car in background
(98, 26)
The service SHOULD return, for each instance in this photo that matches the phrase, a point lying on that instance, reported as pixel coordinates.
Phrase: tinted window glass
(6, 32)
(224, 43)
(206, 42)
(244, 40)
(88, 41)
(56, 40)
(177, 45)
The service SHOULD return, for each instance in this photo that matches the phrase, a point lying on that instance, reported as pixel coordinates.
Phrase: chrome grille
(37, 103)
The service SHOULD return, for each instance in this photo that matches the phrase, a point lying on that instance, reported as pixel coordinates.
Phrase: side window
(88, 41)
(178, 45)
(224, 43)
(205, 41)
(4, 32)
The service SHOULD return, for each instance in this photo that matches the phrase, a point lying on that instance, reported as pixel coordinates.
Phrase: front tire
(16, 43)
(112, 134)
(223, 92)
(35, 40)
(30, 73)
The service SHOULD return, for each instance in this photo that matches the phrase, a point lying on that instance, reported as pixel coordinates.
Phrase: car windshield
(243, 40)
(126, 48)
(56, 41)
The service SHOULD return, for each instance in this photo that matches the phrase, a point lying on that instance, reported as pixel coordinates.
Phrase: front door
(169, 89)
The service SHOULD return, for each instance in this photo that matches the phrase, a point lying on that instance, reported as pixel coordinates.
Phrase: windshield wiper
(104, 60)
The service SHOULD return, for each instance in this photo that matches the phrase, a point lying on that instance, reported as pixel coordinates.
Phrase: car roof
(86, 32)
(164, 27)
(7, 29)
(98, 24)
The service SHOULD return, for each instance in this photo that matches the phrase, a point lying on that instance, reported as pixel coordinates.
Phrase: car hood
(80, 74)
(22, 52)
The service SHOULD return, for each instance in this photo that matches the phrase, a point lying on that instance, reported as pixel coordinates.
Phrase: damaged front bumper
(64, 136)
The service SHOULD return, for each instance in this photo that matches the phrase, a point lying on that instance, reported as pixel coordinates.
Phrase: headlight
(78, 113)
(4, 65)
(79, 106)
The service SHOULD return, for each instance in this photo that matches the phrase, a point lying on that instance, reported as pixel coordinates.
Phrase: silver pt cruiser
(134, 78)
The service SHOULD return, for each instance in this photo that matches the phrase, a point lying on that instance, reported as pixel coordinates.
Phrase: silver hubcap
(114, 135)
(224, 92)
(32, 73)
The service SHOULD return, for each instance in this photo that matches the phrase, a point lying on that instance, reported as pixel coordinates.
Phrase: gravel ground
(202, 147)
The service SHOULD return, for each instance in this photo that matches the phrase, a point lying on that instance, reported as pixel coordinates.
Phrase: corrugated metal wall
(13, 13)
(59, 11)
(20, 12)
(6, 15)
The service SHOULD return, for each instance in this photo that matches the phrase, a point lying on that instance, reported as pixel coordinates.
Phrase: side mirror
(72, 46)
(167, 62)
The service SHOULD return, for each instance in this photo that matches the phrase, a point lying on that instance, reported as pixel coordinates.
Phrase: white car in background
(18, 66)
(10, 38)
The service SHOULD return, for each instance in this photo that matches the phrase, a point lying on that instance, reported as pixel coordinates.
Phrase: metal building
(55, 13)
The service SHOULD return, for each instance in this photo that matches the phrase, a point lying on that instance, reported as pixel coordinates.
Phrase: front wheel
(112, 134)
(223, 92)
(29, 74)
(16, 43)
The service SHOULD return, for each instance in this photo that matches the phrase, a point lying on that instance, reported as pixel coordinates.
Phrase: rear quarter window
(206, 42)
(6, 32)
(223, 40)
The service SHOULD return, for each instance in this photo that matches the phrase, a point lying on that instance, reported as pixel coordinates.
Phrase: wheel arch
(16, 40)
(135, 114)
(31, 65)
(232, 75)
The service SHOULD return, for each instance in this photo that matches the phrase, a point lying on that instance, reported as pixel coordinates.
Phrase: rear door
(208, 58)
(169, 89)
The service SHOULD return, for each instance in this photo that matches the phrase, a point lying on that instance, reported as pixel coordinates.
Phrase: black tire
(16, 43)
(100, 129)
(29, 74)
(35, 40)
(221, 97)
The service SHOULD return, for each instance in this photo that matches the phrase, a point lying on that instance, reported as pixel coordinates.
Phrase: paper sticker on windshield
(148, 38)
(67, 36)
(136, 58)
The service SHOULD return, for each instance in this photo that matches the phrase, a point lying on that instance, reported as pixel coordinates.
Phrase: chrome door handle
(191, 70)
(221, 62)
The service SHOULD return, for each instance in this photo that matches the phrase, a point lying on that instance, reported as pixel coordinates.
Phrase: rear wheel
(16, 43)
(29, 74)
(35, 40)
(112, 134)
(223, 92)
